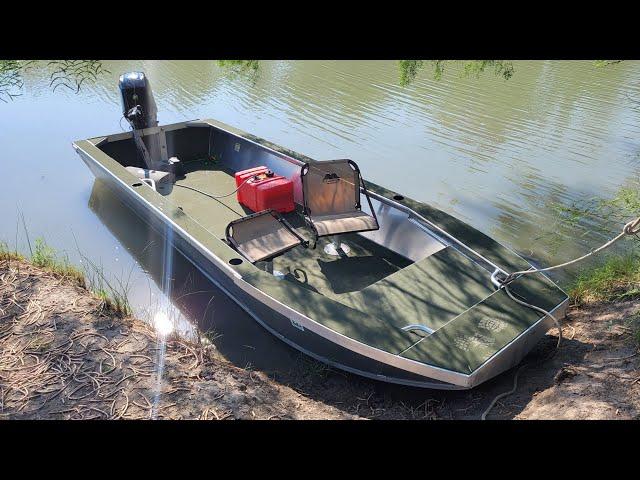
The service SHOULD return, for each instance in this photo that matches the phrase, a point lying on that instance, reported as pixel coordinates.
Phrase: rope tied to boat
(630, 228)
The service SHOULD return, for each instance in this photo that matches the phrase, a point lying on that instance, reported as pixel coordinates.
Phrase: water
(497, 154)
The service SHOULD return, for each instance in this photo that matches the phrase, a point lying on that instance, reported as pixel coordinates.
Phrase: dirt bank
(64, 354)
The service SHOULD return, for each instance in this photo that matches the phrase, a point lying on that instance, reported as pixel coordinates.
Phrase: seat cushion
(268, 245)
(343, 223)
(261, 235)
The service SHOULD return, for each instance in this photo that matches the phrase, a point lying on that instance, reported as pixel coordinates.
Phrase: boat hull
(304, 333)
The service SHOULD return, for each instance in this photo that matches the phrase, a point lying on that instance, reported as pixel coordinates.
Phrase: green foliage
(114, 293)
(409, 69)
(594, 216)
(11, 82)
(615, 279)
(70, 74)
(243, 69)
(627, 199)
(501, 68)
(240, 65)
(45, 257)
(9, 255)
(618, 276)
(605, 63)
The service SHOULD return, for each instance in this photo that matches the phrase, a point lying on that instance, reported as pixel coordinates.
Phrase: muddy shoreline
(66, 354)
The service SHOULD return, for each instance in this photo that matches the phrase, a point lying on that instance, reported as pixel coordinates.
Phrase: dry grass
(113, 293)
(66, 354)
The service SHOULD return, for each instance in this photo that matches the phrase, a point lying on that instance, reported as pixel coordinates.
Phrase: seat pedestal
(336, 249)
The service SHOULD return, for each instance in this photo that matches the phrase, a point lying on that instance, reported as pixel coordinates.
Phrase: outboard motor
(139, 108)
(138, 105)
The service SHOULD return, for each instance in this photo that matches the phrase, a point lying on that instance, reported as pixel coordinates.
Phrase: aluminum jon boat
(376, 284)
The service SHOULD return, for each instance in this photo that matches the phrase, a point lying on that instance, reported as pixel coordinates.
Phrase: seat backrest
(262, 235)
(331, 187)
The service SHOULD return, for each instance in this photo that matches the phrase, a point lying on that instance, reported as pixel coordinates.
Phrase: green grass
(617, 278)
(113, 293)
(7, 255)
(45, 257)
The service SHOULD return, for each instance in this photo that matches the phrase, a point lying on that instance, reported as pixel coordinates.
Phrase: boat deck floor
(330, 275)
(370, 278)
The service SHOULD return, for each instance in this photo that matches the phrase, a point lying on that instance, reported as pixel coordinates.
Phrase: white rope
(630, 228)
(505, 394)
(541, 310)
(214, 196)
(515, 378)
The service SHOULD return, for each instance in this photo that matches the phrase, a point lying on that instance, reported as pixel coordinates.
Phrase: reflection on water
(501, 155)
(194, 299)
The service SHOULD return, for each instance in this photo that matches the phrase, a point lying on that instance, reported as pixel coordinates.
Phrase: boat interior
(350, 274)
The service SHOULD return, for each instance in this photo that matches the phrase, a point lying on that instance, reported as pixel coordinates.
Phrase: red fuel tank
(265, 190)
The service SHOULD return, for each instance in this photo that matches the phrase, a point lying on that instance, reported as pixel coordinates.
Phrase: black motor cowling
(138, 105)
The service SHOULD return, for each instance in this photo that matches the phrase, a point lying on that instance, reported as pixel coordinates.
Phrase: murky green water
(498, 154)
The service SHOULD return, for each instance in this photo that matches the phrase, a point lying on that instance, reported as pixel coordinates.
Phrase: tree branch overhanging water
(70, 74)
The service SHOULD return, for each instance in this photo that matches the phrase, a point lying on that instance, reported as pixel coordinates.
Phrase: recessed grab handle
(418, 327)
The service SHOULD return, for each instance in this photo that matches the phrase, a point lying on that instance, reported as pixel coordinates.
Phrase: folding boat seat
(331, 191)
(262, 235)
